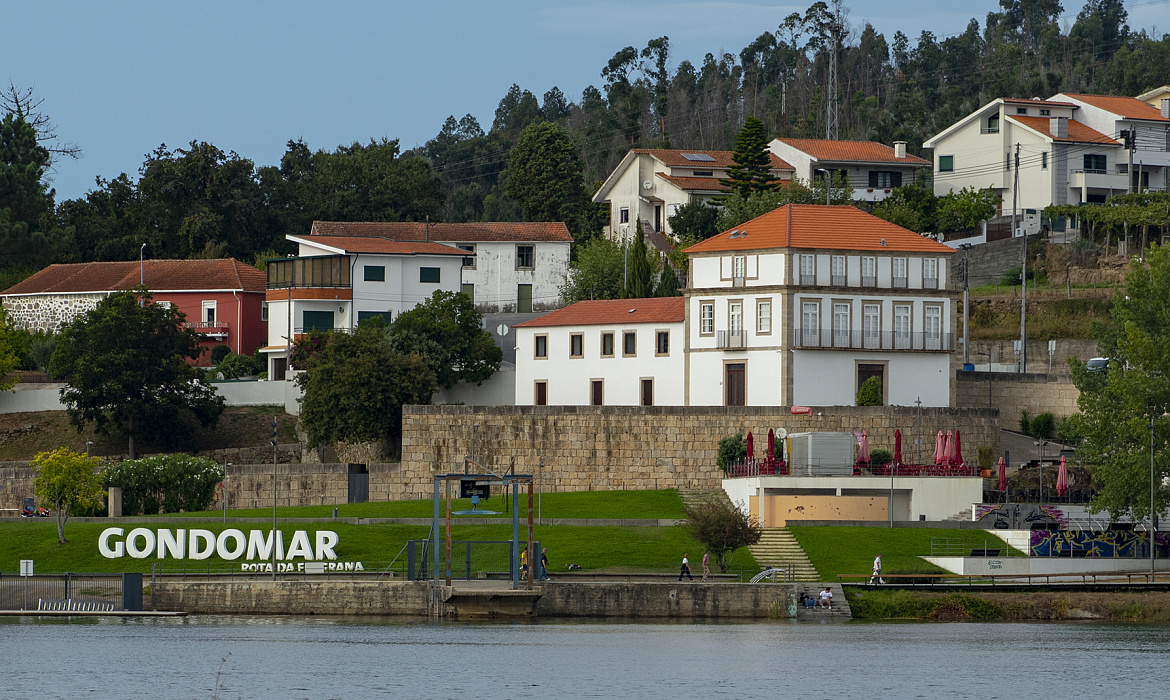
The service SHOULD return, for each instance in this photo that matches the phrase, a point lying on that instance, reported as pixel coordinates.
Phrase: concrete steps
(693, 497)
(840, 610)
(777, 548)
(962, 515)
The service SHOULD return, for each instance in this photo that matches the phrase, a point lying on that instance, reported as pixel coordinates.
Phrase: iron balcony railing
(808, 280)
(838, 280)
(868, 281)
(930, 283)
(900, 283)
(208, 325)
(738, 281)
(729, 339)
(825, 338)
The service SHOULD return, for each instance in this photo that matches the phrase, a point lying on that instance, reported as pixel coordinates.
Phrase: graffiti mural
(1017, 516)
(1096, 543)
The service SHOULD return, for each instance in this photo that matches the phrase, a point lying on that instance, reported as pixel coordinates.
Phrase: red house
(223, 299)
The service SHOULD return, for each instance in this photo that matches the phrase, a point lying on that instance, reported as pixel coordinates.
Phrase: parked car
(1097, 364)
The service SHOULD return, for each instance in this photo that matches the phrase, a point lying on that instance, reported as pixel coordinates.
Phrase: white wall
(500, 390)
(47, 397)
(762, 372)
(829, 377)
(402, 290)
(496, 278)
(938, 498)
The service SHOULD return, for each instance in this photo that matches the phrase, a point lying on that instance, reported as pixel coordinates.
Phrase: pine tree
(641, 278)
(668, 285)
(751, 168)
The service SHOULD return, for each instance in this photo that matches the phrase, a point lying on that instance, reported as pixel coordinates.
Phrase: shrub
(732, 450)
(722, 528)
(984, 456)
(1025, 422)
(870, 393)
(165, 483)
(235, 366)
(1069, 430)
(1042, 426)
(880, 457)
(218, 353)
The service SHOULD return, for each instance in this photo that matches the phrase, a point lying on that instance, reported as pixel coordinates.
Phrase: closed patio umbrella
(1002, 475)
(897, 449)
(948, 448)
(750, 445)
(863, 454)
(938, 448)
(1062, 477)
(958, 451)
(771, 444)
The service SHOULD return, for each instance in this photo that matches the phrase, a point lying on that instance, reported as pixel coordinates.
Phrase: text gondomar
(200, 544)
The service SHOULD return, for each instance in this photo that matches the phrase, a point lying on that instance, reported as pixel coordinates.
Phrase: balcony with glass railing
(313, 271)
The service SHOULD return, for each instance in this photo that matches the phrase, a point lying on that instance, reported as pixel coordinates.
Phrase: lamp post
(1041, 444)
(88, 444)
(225, 477)
(1152, 516)
(966, 305)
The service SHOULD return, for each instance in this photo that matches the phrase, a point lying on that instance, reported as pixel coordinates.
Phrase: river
(299, 657)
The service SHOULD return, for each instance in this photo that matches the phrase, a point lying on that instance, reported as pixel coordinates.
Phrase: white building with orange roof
(650, 184)
(872, 169)
(1150, 126)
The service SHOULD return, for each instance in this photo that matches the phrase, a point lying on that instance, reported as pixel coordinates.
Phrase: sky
(121, 78)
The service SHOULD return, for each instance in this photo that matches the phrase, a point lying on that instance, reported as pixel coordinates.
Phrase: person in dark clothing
(686, 569)
(544, 565)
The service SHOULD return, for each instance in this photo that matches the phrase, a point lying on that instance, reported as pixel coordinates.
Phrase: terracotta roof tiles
(384, 246)
(722, 159)
(169, 275)
(1077, 132)
(612, 312)
(441, 232)
(1124, 107)
(852, 151)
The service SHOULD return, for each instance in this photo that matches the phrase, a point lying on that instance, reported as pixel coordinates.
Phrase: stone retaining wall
(1012, 392)
(673, 600)
(321, 597)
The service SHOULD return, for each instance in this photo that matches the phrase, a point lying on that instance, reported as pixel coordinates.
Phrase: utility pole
(966, 306)
(1127, 138)
(1152, 516)
(275, 533)
(918, 440)
(831, 88)
(1023, 270)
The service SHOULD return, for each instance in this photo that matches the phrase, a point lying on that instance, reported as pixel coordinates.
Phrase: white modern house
(872, 169)
(650, 185)
(623, 352)
(508, 266)
(796, 307)
(336, 282)
(1150, 126)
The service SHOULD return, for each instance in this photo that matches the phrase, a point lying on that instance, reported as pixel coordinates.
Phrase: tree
(732, 450)
(9, 360)
(1119, 406)
(356, 387)
(596, 273)
(640, 277)
(23, 104)
(910, 206)
(668, 284)
(695, 219)
(870, 392)
(127, 362)
(547, 179)
(67, 481)
(721, 527)
(454, 329)
(965, 209)
(751, 168)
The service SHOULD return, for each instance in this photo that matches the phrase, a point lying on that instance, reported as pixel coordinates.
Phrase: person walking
(544, 564)
(524, 561)
(686, 569)
(877, 570)
(706, 565)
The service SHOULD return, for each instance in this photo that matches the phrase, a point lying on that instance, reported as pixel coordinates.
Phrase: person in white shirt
(877, 570)
(686, 569)
(827, 598)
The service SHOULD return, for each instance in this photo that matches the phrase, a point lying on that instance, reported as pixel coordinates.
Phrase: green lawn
(663, 504)
(850, 550)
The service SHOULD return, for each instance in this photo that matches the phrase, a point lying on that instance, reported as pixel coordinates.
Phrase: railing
(207, 325)
(871, 340)
(757, 467)
(1082, 578)
(24, 593)
(924, 470)
(868, 281)
(737, 281)
(901, 283)
(930, 283)
(729, 339)
(989, 130)
(808, 280)
(838, 280)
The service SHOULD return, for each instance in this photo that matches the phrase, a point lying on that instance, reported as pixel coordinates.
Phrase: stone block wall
(48, 312)
(250, 485)
(16, 482)
(1012, 393)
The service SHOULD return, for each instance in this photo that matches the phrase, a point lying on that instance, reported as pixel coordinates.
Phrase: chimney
(899, 149)
(1166, 107)
(1058, 127)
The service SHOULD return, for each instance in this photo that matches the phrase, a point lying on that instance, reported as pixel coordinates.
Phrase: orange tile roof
(713, 184)
(467, 233)
(1077, 132)
(170, 275)
(851, 151)
(384, 246)
(838, 227)
(612, 312)
(723, 159)
(1125, 107)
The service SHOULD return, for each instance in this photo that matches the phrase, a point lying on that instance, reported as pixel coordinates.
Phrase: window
(932, 327)
(428, 275)
(1045, 112)
(624, 215)
(946, 164)
(577, 345)
(884, 179)
(629, 344)
(596, 392)
(992, 125)
(930, 273)
(810, 323)
(764, 316)
(871, 324)
(469, 290)
(647, 392)
(367, 315)
(1095, 163)
(607, 344)
(540, 397)
(468, 260)
(316, 321)
(899, 267)
(209, 313)
(837, 270)
(1043, 160)
(703, 173)
(707, 318)
(662, 343)
(1021, 110)
(738, 270)
(808, 269)
(523, 257)
(841, 325)
(1007, 161)
(374, 273)
(540, 349)
(868, 271)
(901, 326)
(735, 318)
(263, 309)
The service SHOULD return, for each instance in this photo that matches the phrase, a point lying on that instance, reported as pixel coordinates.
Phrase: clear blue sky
(120, 78)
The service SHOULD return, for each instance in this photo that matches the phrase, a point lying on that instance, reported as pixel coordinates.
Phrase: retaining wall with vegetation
(1012, 392)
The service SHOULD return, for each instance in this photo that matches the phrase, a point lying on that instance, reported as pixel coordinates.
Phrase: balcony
(868, 281)
(1098, 179)
(838, 280)
(826, 339)
(729, 340)
(315, 271)
(903, 283)
(930, 283)
(808, 280)
(738, 281)
(210, 329)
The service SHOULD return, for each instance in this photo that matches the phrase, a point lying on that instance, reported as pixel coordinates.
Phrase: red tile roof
(691, 184)
(1077, 132)
(612, 312)
(385, 246)
(819, 226)
(169, 275)
(469, 233)
(674, 158)
(1125, 107)
(851, 151)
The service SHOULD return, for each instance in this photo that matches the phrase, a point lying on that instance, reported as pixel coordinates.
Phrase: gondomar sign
(230, 545)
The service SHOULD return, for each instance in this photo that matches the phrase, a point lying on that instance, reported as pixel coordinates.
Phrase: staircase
(777, 548)
(694, 497)
(840, 610)
(963, 515)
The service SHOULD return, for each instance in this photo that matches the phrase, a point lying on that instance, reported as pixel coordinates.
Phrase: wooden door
(735, 384)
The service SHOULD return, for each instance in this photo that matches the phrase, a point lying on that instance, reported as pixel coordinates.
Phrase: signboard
(26, 567)
(315, 553)
(468, 488)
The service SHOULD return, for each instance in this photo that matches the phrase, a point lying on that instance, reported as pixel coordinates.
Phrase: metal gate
(359, 483)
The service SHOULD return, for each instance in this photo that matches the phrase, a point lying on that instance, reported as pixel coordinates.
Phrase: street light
(88, 443)
(1041, 444)
(1152, 516)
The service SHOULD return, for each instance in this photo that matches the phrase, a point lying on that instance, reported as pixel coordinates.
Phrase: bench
(71, 605)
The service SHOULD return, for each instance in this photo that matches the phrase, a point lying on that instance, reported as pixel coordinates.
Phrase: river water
(298, 657)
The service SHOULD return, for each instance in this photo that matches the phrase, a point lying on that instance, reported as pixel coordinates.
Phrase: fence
(872, 340)
(24, 592)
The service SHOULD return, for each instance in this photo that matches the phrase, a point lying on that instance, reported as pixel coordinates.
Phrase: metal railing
(872, 340)
(808, 280)
(757, 467)
(868, 281)
(901, 283)
(838, 280)
(204, 325)
(25, 592)
(729, 339)
(930, 283)
(737, 281)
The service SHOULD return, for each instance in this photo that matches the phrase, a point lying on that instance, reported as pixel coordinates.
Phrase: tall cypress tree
(641, 278)
(750, 171)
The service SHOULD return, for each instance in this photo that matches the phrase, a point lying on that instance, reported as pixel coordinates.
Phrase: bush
(984, 456)
(1069, 430)
(880, 457)
(870, 393)
(732, 450)
(722, 528)
(218, 353)
(1025, 422)
(235, 366)
(165, 483)
(1042, 426)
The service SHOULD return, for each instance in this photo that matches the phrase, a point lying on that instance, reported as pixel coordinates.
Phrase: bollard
(334, 513)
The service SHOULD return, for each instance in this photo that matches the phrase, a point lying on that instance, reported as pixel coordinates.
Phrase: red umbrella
(1062, 477)
(948, 448)
(938, 448)
(863, 453)
(1002, 475)
(751, 443)
(771, 444)
(897, 449)
(958, 450)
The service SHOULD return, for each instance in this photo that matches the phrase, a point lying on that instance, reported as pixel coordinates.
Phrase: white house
(1149, 124)
(623, 352)
(336, 282)
(873, 169)
(510, 266)
(803, 304)
(650, 184)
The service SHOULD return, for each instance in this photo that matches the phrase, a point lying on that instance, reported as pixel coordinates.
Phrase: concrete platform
(93, 613)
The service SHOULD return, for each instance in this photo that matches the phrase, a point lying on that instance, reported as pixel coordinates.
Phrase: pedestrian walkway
(778, 549)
